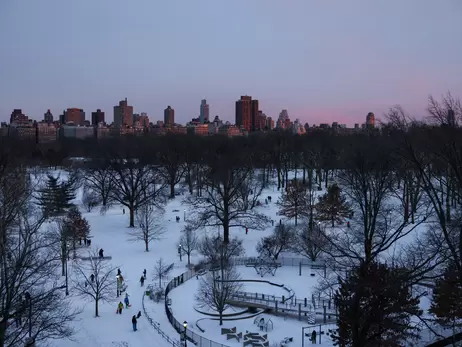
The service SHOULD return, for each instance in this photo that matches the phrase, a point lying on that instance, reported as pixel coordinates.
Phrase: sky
(322, 60)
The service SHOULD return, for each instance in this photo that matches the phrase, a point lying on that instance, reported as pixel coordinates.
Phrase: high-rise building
(48, 117)
(169, 116)
(123, 114)
(73, 115)
(97, 117)
(370, 120)
(18, 118)
(247, 113)
(204, 112)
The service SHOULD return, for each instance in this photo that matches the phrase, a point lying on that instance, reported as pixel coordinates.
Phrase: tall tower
(48, 117)
(370, 120)
(204, 112)
(247, 113)
(123, 114)
(169, 116)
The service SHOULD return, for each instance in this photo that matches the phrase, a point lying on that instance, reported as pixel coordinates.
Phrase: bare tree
(134, 185)
(31, 290)
(161, 270)
(292, 203)
(90, 198)
(171, 157)
(310, 242)
(217, 288)
(439, 110)
(99, 179)
(221, 203)
(149, 225)
(96, 279)
(282, 239)
(216, 252)
(378, 225)
(250, 191)
(189, 241)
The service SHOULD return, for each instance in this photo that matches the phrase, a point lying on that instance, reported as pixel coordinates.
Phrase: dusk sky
(322, 60)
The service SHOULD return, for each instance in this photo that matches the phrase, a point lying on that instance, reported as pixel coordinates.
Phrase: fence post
(299, 311)
(276, 304)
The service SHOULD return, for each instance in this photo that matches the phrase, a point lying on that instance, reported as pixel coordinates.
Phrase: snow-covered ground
(110, 232)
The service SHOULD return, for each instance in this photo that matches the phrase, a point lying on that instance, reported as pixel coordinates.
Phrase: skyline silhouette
(322, 61)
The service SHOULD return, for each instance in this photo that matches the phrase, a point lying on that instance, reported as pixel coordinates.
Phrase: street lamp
(185, 325)
(67, 283)
(118, 285)
(179, 251)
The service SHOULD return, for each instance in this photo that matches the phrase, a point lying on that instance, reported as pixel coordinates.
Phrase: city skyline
(321, 62)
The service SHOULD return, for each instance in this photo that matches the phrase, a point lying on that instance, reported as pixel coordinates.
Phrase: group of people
(127, 305)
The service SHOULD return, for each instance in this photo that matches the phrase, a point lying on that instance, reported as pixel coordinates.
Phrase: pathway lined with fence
(201, 341)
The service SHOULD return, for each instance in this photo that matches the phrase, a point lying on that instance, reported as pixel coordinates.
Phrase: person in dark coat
(118, 272)
(134, 323)
(313, 337)
(92, 278)
(138, 315)
(142, 280)
(120, 307)
(144, 273)
(101, 253)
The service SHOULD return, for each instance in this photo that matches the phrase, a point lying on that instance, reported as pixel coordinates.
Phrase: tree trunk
(172, 189)
(96, 308)
(221, 317)
(146, 244)
(3, 327)
(333, 221)
(225, 233)
(189, 259)
(131, 211)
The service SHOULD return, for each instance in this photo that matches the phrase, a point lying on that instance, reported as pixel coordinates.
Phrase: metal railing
(284, 261)
(197, 339)
(156, 326)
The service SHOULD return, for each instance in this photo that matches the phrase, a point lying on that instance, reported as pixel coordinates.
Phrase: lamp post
(185, 325)
(303, 335)
(179, 251)
(67, 283)
(118, 285)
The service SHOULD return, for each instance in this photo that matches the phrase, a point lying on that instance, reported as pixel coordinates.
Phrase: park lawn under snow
(110, 232)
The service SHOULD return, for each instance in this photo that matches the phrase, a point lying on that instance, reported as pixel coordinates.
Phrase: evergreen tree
(332, 206)
(75, 227)
(56, 197)
(447, 298)
(375, 306)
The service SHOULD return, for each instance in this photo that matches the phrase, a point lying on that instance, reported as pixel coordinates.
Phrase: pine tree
(56, 197)
(333, 206)
(447, 298)
(375, 306)
(75, 227)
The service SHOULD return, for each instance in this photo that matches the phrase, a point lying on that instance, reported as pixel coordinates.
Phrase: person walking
(101, 253)
(134, 323)
(127, 302)
(120, 307)
(313, 337)
(142, 280)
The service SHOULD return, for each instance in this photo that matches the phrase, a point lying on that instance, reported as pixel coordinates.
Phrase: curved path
(271, 304)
